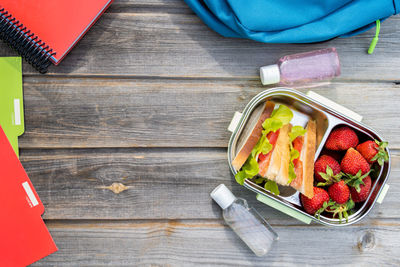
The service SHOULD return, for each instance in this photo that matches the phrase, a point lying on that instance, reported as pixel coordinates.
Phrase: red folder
(58, 23)
(24, 236)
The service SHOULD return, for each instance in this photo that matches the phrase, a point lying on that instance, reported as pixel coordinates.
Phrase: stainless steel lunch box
(327, 115)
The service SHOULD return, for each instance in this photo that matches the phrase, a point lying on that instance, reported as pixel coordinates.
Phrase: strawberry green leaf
(382, 144)
(325, 207)
(345, 215)
(329, 177)
(355, 180)
(329, 171)
(375, 157)
(318, 212)
(340, 209)
(324, 175)
(350, 204)
(382, 156)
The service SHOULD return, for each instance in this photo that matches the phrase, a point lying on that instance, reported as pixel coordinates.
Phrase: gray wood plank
(65, 112)
(181, 243)
(180, 45)
(159, 183)
(151, 6)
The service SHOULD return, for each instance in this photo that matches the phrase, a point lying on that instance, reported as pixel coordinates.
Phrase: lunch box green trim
(289, 211)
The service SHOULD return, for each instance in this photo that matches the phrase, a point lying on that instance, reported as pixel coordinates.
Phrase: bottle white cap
(270, 74)
(223, 196)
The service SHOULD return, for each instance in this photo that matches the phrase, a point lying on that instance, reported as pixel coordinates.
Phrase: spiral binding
(26, 43)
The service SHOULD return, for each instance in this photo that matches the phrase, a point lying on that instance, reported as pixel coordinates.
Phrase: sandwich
(278, 153)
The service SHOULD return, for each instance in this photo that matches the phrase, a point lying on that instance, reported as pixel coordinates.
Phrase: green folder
(11, 99)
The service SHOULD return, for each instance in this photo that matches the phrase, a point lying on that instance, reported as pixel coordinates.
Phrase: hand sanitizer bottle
(245, 221)
(301, 68)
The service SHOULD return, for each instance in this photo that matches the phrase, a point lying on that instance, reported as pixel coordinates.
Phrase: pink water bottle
(301, 68)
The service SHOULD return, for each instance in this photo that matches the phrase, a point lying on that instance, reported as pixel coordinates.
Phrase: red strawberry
(364, 190)
(342, 138)
(312, 205)
(374, 151)
(320, 167)
(353, 162)
(339, 192)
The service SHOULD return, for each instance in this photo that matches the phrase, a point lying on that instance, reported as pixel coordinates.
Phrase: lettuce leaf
(272, 187)
(296, 132)
(263, 146)
(271, 125)
(294, 154)
(249, 170)
(283, 113)
(259, 180)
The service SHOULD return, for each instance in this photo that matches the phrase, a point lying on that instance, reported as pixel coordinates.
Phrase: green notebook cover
(11, 99)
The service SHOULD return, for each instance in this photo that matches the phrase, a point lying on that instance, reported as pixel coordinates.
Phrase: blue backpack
(293, 21)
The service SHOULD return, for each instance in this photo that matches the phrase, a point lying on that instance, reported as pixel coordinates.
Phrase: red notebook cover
(24, 237)
(58, 23)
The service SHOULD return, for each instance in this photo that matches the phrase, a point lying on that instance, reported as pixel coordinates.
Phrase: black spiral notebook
(44, 31)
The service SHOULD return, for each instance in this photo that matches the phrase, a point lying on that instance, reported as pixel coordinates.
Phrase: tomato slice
(264, 159)
(273, 136)
(298, 169)
(298, 145)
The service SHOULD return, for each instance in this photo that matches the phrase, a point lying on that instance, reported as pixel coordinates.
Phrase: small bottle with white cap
(247, 223)
(302, 68)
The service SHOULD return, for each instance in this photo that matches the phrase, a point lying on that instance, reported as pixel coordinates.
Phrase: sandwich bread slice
(278, 168)
(304, 164)
(252, 133)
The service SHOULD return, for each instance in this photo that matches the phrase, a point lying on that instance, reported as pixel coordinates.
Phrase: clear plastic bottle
(245, 221)
(301, 68)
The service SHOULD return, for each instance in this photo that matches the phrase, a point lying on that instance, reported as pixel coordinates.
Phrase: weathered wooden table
(144, 100)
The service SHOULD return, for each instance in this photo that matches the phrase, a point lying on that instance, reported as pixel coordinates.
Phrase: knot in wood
(117, 188)
(366, 242)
